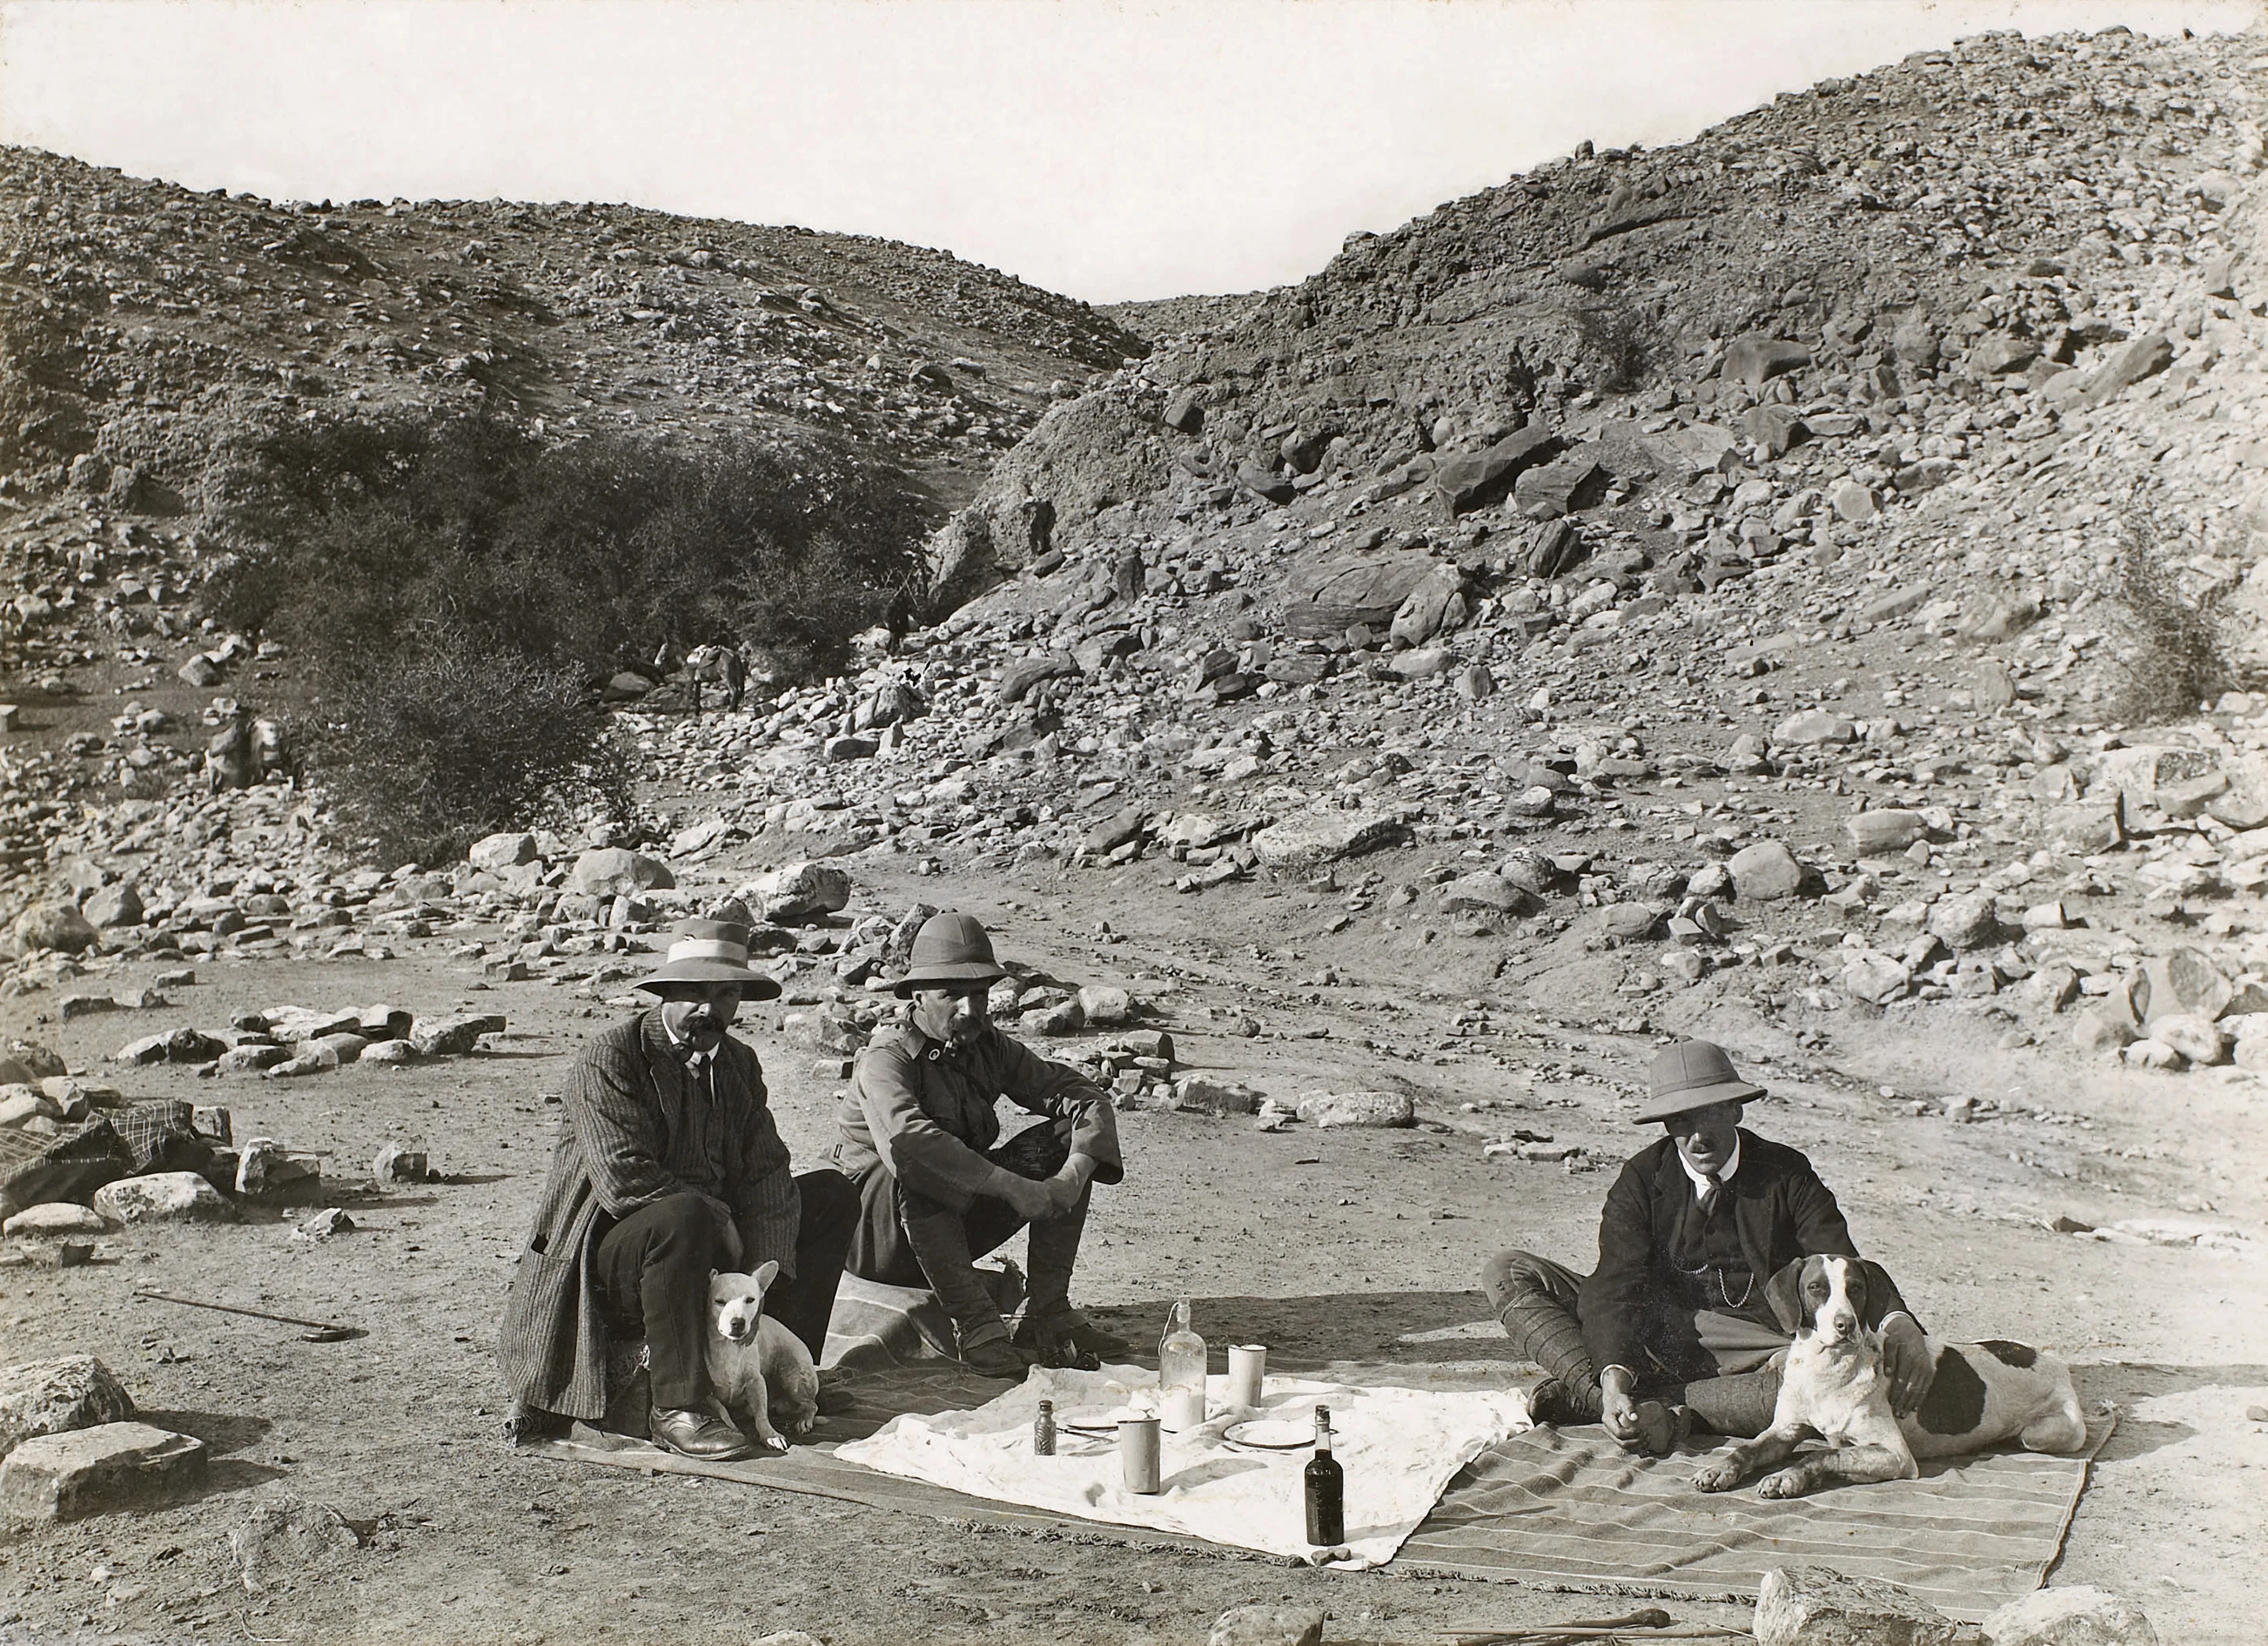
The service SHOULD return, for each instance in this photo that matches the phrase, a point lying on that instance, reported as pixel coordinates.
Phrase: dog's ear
(766, 1272)
(713, 1274)
(1785, 1292)
(1874, 1301)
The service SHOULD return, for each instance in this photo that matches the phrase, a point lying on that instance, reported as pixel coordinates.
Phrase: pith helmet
(949, 949)
(711, 951)
(1692, 1075)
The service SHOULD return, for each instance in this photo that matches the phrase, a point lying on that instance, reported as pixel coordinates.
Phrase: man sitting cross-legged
(937, 1188)
(1672, 1330)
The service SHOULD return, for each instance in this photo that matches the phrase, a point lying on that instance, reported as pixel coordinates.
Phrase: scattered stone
(1202, 1094)
(1817, 1606)
(2182, 983)
(1363, 1109)
(502, 850)
(1766, 871)
(1875, 977)
(1964, 922)
(52, 1219)
(798, 892)
(89, 1470)
(286, 1538)
(2078, 1616)
(163, 1197)
(1878, 833)
(324, 1224)
(1811, 728)
(52, 1397)
(1318, 838)
(58, 927)
(613, 871)
(396, 1165)
(1103, 1005)
(1269, 1625)
(454, 1035)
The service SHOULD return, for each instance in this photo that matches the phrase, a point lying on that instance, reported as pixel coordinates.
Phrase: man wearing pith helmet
(937, 1188)
(1673, 1331)
(668, 1167)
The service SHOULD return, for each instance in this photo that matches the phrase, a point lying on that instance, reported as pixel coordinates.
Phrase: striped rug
(1557, 1510)
(1570, 1509)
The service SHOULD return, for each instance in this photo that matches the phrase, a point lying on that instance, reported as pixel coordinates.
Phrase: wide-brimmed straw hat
(1692, 1075)
(950, 949)
(711, 951)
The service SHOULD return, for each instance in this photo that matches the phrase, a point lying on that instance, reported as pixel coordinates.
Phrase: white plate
(1270, 1435)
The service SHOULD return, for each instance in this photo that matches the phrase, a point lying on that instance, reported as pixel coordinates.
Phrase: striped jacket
(636, 1129)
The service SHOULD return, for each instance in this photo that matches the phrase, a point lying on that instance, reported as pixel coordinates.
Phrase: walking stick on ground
(317, 1331)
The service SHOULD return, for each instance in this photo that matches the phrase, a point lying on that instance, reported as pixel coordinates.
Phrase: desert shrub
(455, 586)
(1620, 346)
(2176, 655)
(458, 739)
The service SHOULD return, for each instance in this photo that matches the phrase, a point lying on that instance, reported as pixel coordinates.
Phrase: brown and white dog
(757, 1368)
(1833, 1389)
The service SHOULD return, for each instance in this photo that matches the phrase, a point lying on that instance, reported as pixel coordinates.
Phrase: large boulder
(502, 850)
(1363, 1109)
(2184, 982)
(1817, 1606)
(1766, 871)
(1267, 1626)
(50, 1397)
(88, 1471)
(1312, 838)
(452, 1036)
(798, 892)
(1966, 921)
(54, 926)
(163, 1197)
(613, 871)
(1342, 590)
(108, 907)
(2077, 1616)
(1756, 358)
(1472, 480)
(1880, 833)
(1435, 607)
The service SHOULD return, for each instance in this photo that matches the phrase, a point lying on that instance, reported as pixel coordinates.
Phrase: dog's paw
(773, 1442)
(1786, 1483)
(802, 1426)
(1721, 1476)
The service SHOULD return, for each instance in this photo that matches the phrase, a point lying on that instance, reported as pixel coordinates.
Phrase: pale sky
(1100, 148)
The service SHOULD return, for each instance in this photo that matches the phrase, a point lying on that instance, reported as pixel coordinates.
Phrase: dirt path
(1341, 1245)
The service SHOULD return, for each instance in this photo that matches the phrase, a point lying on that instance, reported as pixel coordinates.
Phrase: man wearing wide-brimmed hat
(668, 1167)
(1672, 1330)
(937, 1188)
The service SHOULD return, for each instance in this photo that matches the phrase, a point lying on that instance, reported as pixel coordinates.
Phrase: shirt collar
(694, 1060)
(1723, 1176)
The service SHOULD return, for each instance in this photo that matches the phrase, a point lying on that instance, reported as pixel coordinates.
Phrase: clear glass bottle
(1043, 1431)
(1181, 1372)
(1325, 1486)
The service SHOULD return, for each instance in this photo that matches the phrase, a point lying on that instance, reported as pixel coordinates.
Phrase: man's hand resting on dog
(1907, 1362)
(1034, 1198)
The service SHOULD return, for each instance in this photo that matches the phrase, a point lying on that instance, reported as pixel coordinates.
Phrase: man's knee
(675, 1224)
(1513, 1273)
(830, 1201)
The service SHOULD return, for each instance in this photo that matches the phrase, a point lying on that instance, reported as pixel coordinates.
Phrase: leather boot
(690, 1432)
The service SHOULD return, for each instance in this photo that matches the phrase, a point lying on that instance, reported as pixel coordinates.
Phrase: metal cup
(1138, 1452)
(1247, 1369)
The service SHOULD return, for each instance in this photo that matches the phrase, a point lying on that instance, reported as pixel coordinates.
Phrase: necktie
(1705, 1192)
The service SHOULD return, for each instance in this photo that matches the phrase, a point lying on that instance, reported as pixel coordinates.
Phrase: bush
(2177, 657)
(1619, 345)
(456, 587)
(458, 740)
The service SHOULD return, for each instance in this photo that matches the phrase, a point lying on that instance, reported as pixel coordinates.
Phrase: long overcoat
(628, 1120)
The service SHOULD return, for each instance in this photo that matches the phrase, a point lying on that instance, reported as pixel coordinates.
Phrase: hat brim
(1671, 1103)
(945, 976)
(754, 985)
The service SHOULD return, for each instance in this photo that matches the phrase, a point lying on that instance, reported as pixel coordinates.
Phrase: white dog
(1833, 1389)
(746, 1349)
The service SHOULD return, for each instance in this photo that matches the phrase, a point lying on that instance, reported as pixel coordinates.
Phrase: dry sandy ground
(1336, 1244)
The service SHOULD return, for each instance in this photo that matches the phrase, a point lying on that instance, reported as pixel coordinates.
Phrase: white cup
(1248, 1368)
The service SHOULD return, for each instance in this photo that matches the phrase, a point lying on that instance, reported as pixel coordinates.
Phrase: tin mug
(1247, 1369)
(1139, 1452)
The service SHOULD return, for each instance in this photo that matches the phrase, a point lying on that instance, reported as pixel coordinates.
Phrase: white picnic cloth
(1398, 1447)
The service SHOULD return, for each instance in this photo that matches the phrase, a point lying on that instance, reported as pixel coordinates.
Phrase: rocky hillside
(1671, 588)
(144, 326)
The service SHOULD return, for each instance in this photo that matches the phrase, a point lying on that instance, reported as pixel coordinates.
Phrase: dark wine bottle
(1326, 1488)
